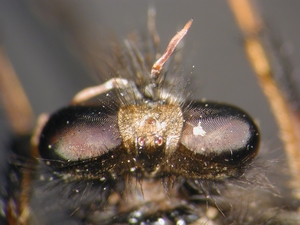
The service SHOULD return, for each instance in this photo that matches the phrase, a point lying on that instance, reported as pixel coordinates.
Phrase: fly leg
(264, 55)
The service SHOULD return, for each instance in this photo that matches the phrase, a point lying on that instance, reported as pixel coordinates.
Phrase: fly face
(149, 142)
(141, 153)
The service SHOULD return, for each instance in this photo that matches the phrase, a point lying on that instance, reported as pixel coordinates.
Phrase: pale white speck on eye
(133, 220)
(68, 122)
(180, 222)
(137, 214)
(198, 130)
(49, 146)
(163, 222)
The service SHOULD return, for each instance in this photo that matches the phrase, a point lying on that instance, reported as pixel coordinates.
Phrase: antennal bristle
(157, 66)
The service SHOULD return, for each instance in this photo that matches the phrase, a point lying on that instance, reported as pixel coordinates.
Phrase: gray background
(42, 53)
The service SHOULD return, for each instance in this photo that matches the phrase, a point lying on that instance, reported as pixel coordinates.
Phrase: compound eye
(79, 132)
(221, 132)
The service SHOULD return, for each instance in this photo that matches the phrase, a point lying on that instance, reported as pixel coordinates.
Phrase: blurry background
(41, 39)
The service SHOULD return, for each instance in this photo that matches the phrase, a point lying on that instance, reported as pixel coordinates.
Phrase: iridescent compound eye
(78, 133)
(220, 130)
(217, 141)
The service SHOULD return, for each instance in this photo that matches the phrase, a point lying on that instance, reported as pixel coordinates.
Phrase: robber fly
(137, 150)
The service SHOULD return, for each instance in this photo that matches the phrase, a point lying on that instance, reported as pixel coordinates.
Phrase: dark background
(39, 37)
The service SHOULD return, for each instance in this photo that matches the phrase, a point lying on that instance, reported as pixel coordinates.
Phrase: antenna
(157, 66)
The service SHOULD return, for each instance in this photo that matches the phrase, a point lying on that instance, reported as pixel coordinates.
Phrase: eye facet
(218, 129)
(79, 132)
